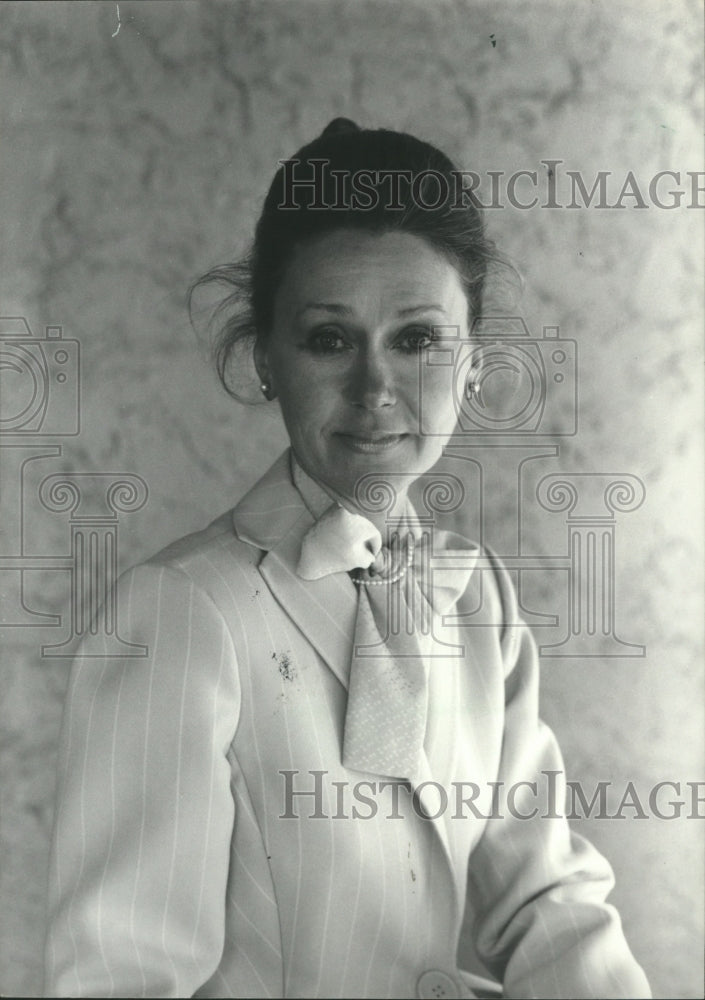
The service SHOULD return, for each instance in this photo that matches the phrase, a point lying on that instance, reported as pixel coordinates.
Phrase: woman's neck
(315, 493)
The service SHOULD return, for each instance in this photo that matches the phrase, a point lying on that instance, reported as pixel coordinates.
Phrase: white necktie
(385, 721)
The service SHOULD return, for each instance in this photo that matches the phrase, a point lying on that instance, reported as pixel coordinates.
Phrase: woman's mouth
(374, 445)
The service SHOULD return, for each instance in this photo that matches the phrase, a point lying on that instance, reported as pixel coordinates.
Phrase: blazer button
(435, 985)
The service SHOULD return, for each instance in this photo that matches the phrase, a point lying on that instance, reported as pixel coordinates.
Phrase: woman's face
(353, 319)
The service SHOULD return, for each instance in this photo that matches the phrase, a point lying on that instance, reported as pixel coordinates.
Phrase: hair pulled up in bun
(349, 177)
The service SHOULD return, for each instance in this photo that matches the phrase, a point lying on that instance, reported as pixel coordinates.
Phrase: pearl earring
(265, 387)
(472, 388)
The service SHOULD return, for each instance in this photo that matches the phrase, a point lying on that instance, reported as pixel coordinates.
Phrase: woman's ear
(473, 373)
(476, 351)
(472, 384)
(262, 367)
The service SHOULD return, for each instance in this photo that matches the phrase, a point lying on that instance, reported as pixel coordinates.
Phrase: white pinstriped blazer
(172, 872)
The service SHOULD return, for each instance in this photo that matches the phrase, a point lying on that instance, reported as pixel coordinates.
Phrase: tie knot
(391, 563)
(338, 542)
(383, 562)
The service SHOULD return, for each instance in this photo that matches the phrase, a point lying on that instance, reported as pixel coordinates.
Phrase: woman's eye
(328, 340)
(415, 339)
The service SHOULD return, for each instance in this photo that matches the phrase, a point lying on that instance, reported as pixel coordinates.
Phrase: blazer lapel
(273, 517)
(324, 610)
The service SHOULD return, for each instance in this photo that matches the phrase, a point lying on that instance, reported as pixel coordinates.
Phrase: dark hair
(349, 178)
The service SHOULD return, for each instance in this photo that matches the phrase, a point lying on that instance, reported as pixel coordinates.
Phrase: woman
(294, 792)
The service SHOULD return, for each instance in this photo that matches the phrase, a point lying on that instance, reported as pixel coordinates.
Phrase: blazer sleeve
(544, 928)
(144, 814)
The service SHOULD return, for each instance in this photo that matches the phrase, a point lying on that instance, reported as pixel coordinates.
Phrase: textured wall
(133, 159)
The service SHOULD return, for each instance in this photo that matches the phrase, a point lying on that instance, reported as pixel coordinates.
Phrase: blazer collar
(274, 518)
(272, 507)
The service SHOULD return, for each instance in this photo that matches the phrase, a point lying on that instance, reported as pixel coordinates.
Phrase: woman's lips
(373, 445)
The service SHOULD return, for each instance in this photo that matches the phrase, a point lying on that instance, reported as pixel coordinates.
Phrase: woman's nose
(371, 383)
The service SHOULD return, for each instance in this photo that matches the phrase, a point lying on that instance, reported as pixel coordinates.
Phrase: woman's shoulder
(222, 559)
(211, 558)
(219, 534)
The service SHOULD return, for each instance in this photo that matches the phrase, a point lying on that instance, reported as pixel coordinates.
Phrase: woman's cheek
(437, 405)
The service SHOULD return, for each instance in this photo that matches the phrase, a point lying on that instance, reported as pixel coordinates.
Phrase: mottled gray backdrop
(137, 142)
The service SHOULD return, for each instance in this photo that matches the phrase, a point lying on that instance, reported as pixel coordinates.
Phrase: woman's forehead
(399, 269)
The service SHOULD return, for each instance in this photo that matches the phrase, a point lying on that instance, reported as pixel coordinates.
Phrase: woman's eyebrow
(426, 307)
(334, 307)
(343, 310)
